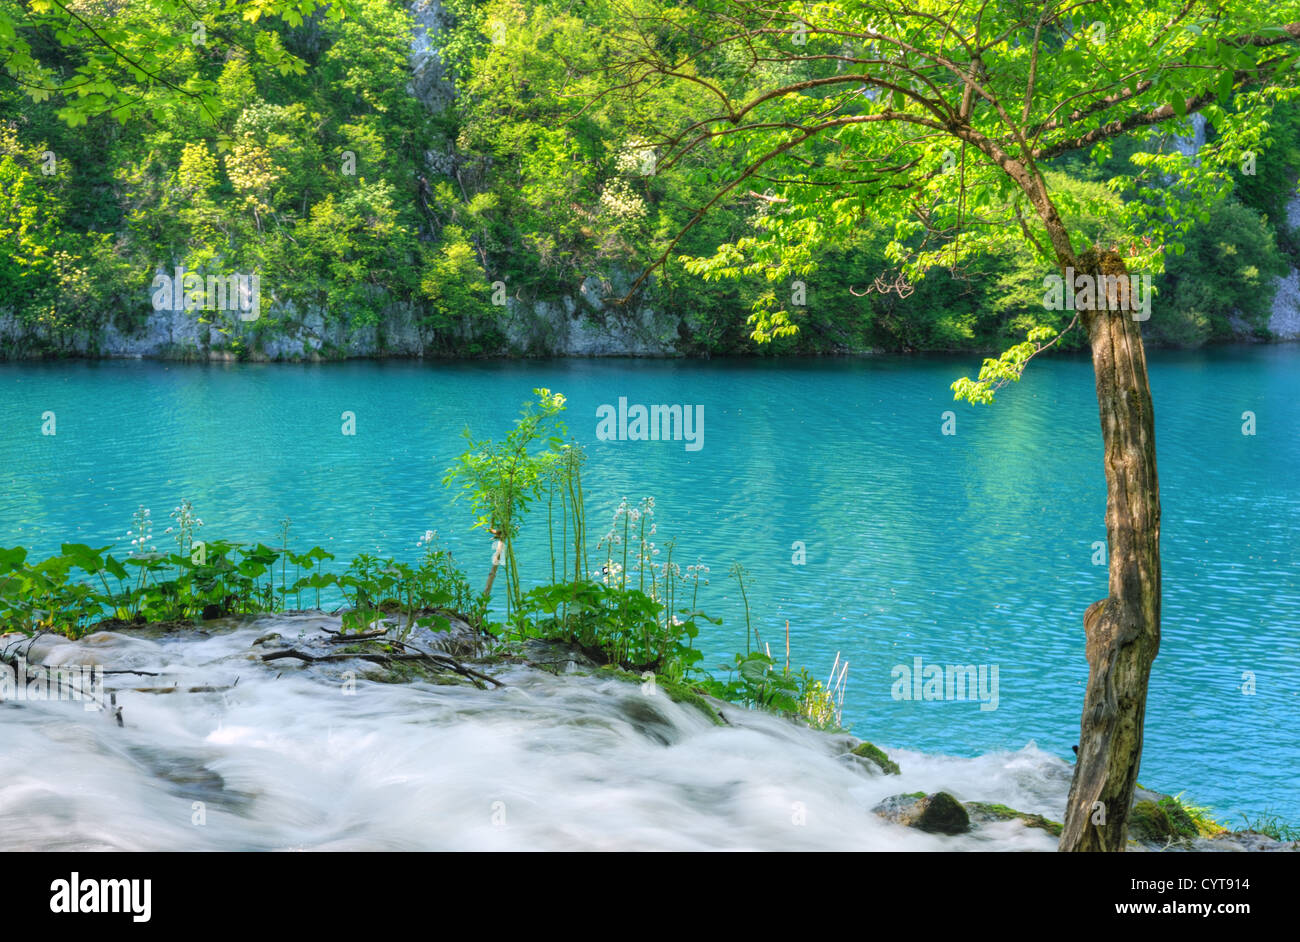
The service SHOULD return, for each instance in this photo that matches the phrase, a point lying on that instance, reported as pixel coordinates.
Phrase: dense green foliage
(297, 151)
(214, 579)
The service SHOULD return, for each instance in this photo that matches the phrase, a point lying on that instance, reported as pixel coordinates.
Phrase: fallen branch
(341, 638)
(386, 660)
(205, 688)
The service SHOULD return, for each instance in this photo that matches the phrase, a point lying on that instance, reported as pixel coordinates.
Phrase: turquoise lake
(974, 548)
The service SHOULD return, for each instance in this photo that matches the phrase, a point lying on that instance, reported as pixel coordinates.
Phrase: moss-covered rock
(678, 693)
(1179, 813)
(876, 755)
(939, 813)
(1180, 822)
(1158, 822)
(944, 814)
(983, 812)
(648, 719)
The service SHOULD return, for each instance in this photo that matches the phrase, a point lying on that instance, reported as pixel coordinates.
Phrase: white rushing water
(286, 760)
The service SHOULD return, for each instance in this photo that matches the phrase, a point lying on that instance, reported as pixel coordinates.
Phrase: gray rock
(939, 813)
(1284, 323)
(1244, 841)
(429, 82)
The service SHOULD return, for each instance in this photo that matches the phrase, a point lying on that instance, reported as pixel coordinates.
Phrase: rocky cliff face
(429, 81)
(542, 328)
(1285, 322)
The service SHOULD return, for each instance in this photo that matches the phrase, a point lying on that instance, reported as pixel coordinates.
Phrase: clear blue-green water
(974, 548)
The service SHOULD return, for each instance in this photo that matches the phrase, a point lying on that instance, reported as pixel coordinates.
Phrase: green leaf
(1225, 87)
(11, 559)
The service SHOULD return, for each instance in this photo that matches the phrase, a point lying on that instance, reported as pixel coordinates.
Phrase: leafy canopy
(940, 120)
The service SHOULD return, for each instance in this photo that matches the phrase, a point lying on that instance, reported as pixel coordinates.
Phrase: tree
(502, 479)
(146, 59)
(943, 118)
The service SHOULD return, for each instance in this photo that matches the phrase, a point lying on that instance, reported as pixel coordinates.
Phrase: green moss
(996, 812)
(678, 693)
(1147, 822)
(1181, 821)
(1169, 819)
(877, 755)
(1161, 822)
(617, 673)
(1177, 818)
(403, 672)
(943, 814)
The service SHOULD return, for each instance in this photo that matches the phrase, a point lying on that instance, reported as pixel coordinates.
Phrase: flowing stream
(276, 756)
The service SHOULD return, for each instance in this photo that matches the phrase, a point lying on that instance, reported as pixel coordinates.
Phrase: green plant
(1273, 826)
(502, 479)
(822, 706)
(753, 682)
(186, 523)
(365, 584)
(742, 577)
(1202, 818)
(317, 579)
(630, 614)
(565, 483)
(437, 581)
(218, 578)
(284, 561)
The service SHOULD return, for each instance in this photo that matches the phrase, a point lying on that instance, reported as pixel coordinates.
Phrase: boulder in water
(939, 813)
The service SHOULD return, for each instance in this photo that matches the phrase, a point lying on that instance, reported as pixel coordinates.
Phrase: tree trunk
(1122, 630)
(496, 562)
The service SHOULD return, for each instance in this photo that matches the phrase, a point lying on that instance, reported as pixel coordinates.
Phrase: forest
(504, 175)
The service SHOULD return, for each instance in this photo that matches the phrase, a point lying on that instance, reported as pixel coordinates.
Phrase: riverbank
(278, 732)
(525, 331)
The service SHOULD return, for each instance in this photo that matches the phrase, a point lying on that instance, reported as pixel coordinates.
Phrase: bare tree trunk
(496, 562)
(1122, 630)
